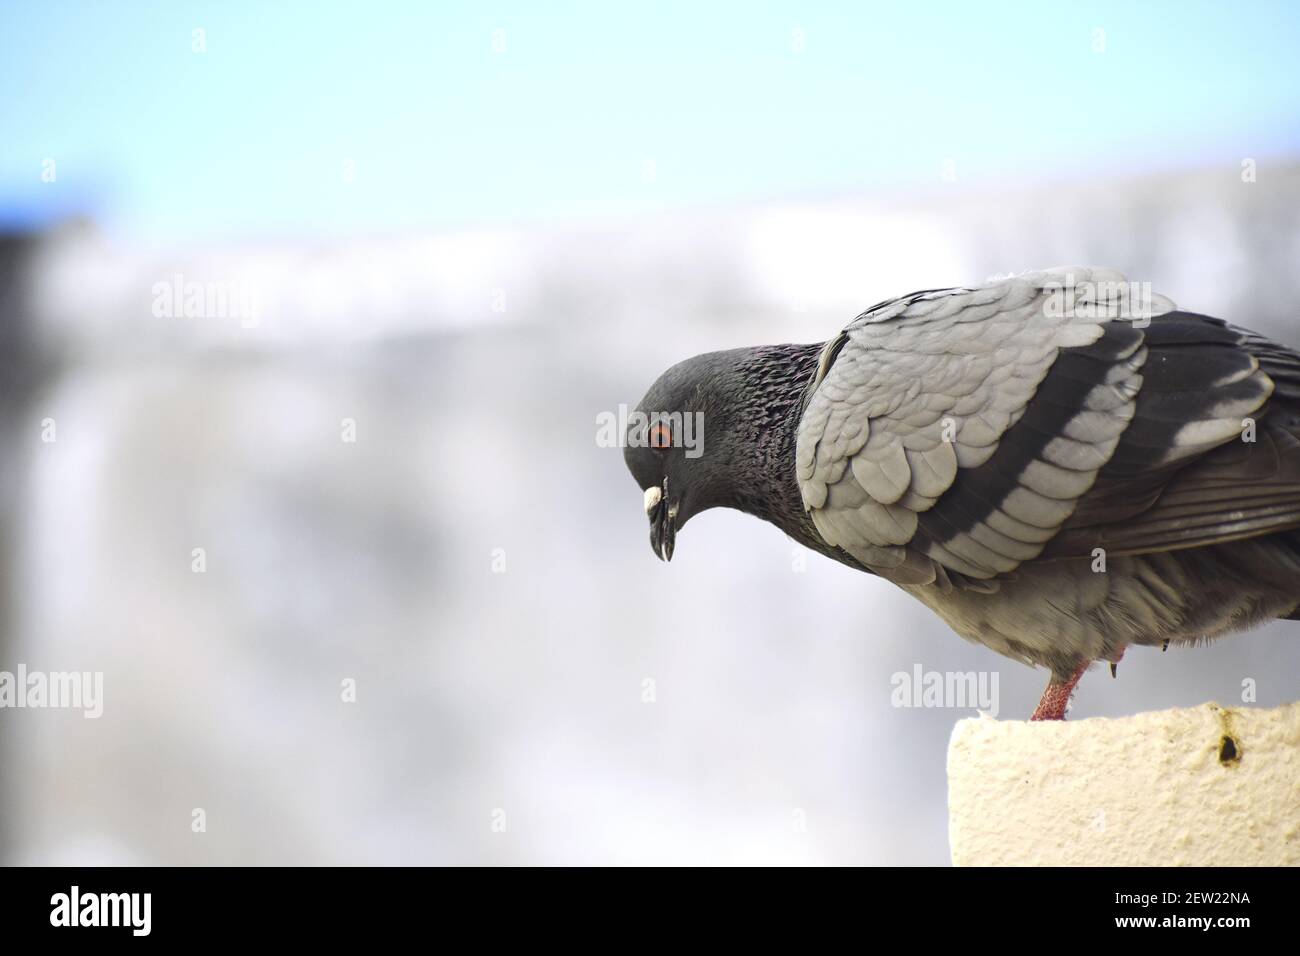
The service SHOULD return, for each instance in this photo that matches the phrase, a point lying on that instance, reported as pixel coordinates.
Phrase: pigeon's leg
(1057, 696)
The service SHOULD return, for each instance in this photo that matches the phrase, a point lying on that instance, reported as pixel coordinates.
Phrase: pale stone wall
(1155, 789)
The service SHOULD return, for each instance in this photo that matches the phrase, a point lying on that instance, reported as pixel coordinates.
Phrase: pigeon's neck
(769, 384)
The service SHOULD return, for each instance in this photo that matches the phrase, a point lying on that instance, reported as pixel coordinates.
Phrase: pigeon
(1059, 464)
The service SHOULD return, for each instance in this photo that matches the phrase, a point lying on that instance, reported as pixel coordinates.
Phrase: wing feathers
(952, 435)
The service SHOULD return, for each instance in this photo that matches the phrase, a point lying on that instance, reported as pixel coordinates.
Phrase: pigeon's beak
(663, 522)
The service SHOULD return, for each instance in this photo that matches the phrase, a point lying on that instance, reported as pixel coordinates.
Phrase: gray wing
(952, 435)
(1149, 499)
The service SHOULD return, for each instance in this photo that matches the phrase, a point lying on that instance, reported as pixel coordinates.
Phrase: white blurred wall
(474, 367)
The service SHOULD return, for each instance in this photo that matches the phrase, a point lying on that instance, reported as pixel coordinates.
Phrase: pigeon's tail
(1289, 542)
(1282, 365)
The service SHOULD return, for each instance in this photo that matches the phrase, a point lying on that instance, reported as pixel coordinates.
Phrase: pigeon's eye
(661, 437)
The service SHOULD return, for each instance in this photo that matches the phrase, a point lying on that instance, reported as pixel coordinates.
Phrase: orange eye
(661, 436)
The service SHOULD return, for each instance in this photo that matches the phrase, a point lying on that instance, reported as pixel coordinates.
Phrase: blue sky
(258, 135)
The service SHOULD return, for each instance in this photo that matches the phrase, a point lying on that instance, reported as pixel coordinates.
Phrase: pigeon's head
(680, 473)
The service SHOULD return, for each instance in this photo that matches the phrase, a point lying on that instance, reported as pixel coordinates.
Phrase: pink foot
(1056, 698)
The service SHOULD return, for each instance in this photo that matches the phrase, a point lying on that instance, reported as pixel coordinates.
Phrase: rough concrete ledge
(1208, 786)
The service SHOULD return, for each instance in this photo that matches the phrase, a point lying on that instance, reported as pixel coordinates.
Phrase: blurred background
(307, 314)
